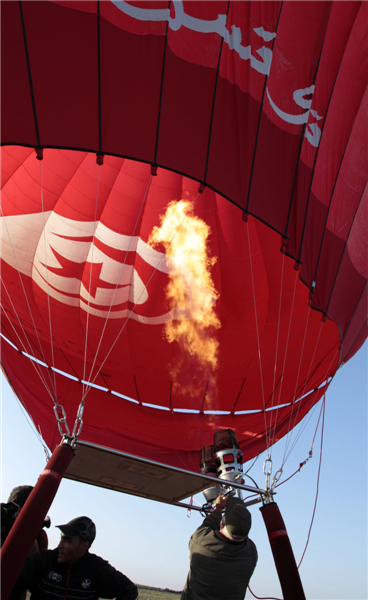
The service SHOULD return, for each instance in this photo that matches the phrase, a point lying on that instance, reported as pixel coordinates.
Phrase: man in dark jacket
(70, 571)
(222, 557)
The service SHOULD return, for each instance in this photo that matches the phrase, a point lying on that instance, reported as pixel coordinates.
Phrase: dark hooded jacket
(88, 579)
(220, 569)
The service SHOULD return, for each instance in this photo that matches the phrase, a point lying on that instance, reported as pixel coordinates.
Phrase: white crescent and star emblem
(87, 265)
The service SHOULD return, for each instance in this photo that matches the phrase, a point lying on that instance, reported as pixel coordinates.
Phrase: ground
(150, 593)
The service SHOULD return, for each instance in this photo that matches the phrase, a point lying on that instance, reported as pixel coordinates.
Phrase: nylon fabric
(281, 133)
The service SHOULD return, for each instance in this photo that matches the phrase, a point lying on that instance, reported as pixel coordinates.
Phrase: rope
(189, 511)
(262, 597)
(318, 478)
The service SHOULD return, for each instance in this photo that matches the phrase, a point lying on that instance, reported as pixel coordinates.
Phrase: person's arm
(213, 519)
(220, 503)
(114, 584)
(34, 550)
(42, 540)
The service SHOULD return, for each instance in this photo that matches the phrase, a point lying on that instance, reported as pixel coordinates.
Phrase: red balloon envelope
(263, 105)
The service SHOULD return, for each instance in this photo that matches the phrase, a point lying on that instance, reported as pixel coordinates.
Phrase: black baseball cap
(238, 519)
(82, 527)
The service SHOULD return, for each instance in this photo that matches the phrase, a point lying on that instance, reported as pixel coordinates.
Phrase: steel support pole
(282, 551)
(19, 541)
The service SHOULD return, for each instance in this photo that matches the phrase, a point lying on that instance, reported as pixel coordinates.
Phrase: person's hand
(34, 550)
(220, 502)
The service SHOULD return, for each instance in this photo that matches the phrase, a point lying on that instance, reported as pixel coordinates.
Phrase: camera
(9, 513)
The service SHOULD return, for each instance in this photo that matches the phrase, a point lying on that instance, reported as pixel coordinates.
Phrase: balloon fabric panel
(104, 268)
(265, 105)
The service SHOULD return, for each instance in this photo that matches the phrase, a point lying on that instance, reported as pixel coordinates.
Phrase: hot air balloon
(254, 114)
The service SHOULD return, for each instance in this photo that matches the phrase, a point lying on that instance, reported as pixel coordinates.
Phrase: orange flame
(192, 295)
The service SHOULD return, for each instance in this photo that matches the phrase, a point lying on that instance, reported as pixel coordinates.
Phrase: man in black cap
(222, 557)
(71, 571)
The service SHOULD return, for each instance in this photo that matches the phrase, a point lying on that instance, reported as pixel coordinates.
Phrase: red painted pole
(282, 551)
(18, 543)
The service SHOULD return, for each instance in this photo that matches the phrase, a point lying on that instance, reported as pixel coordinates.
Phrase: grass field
(149, 593)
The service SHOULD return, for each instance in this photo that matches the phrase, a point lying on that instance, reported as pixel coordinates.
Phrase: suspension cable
(116, 287)
(272, 435)
(276, 483)
(47, 282)
(30, 422)
(322, 412)
(90, 280)
(293, 418)
(296, 384)
(318, 478)
(285, 356)
(25, 297)
(258, 342)
(34, 362)
(78, 424)
(325, 378)
(59, 410)
(143, 290)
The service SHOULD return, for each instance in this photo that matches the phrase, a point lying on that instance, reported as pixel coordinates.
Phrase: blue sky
(148, 541)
